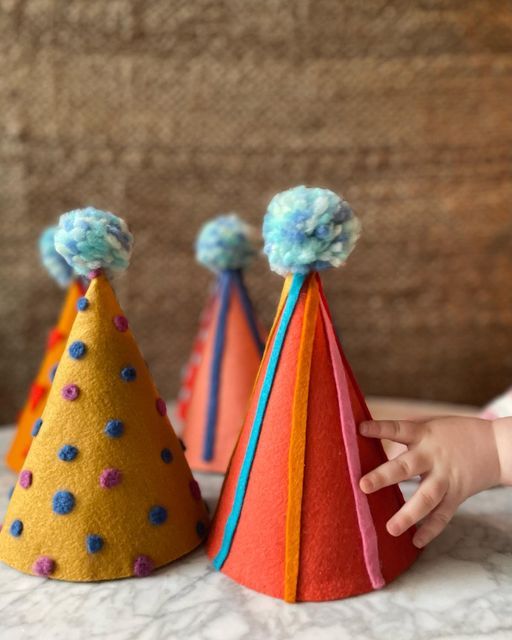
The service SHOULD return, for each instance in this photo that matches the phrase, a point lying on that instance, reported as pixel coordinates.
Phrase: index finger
(404, 431)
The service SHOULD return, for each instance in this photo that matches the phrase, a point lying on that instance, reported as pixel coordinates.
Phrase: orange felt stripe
(296, 453)
(256, 557)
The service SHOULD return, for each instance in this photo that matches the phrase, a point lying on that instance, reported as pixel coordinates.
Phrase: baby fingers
(403, 431)
(435, 523)
(406, 466)
(428, 496)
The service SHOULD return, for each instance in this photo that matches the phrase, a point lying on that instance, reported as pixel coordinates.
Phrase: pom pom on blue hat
(90, 239)
(55, 264)
(308, 229)
(225, 243)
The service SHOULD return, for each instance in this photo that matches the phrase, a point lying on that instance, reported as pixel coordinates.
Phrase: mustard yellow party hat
(105, 491)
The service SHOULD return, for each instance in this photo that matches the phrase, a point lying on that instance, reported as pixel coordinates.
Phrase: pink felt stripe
(348, 426)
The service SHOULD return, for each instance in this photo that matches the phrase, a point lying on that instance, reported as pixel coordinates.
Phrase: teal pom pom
(308, 229)
(90, 239)
(226, 242)
(55, 264)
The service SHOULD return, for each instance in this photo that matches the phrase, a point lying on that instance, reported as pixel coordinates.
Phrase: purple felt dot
(161, 407)
(25, 479)
(94, 273)
(120, 323)
(70, 392)
(110, 478)
(44, 566)
(195, 490)
(142, 566)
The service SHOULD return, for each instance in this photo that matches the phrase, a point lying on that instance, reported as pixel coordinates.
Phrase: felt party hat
(59, 269)
(292, 521)
(226, 355)
(105, 491)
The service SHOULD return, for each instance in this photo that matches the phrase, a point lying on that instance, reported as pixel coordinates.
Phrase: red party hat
(292, 521)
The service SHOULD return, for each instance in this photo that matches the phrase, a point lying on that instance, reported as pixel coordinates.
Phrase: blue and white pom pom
(225, 243)
(91, 240)
(308, 229)
(55, 264)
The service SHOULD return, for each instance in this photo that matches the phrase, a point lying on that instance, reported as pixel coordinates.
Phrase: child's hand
(455, 457)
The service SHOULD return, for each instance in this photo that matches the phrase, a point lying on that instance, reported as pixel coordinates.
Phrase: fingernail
(392, 529)
(364, 428)
(365, 485)
(418, 542)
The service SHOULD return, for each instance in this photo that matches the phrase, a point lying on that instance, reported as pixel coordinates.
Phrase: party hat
(222, 368)
(292, 521)
(59, 269)
(105, 491)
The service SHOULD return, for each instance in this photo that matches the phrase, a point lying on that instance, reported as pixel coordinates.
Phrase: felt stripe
(248, 310)
(364, 517)
(297, 449)
(250, 452)
(225, 279)
(346, 364)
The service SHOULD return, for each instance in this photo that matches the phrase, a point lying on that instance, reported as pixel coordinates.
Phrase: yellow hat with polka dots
(105, 491)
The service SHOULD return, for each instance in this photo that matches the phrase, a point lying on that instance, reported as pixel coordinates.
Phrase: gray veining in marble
(461, 588)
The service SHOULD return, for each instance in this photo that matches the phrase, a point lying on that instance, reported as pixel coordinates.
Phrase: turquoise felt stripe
(250, 452)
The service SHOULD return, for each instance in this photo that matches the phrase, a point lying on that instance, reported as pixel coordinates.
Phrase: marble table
(460, 588)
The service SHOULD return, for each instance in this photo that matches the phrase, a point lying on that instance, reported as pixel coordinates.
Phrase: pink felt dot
(25, 479)
(120, 323)
(70, 392)
(161, 407)
(94, 273)
(142, 566)
(195, 490)
(110, 478)
(44, 566)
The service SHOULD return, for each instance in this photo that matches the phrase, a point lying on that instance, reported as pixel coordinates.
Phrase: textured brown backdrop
(170, 112)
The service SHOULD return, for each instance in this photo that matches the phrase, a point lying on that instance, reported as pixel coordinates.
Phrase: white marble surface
(461, 588)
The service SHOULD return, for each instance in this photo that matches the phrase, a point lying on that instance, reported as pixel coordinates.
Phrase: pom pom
(55, 264)
(226, 242)
(308, 229)
(90, 239)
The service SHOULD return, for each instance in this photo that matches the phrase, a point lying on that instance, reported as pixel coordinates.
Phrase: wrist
(502, 428)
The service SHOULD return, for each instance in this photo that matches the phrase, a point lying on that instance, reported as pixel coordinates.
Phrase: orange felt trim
(256, 557)
(297, 449)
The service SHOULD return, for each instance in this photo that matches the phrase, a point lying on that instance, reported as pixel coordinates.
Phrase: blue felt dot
(37, 425)
(157, 515)
(63, 502)
(53, 371)
(68, 452)
(201, 529)
(166, 455)
(82, 304)
(16, 528)
(10, 491)
(114, 428)
(77, 350)
(94, 543)
(128, 374)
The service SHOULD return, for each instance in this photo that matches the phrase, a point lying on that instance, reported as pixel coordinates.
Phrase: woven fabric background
(168, 112)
